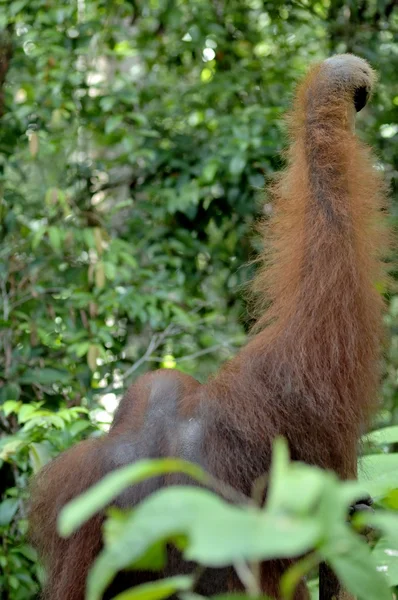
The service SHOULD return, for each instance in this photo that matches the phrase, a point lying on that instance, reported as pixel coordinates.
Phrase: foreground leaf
(79, 510)
(386, 435)
(219, 534)
(157, 590)
(356, 568)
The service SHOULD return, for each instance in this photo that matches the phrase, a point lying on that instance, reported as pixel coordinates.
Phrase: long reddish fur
(311, 369)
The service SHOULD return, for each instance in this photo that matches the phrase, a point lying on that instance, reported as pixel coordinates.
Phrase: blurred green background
(135, 141)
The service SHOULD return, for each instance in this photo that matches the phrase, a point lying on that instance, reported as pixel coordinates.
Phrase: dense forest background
(136, 139)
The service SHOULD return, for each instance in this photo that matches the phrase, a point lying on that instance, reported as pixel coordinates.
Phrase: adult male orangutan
(310, 372)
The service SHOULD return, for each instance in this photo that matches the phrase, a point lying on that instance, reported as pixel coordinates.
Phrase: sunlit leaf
(8, 508)
(99, 496)
(158, 589)
(387, 435)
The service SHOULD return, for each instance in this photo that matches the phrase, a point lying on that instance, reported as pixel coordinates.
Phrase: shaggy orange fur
(309, 373)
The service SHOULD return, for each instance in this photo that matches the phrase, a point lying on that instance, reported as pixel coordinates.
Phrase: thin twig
(151, 347)
(6, 303)
(6, 333)
(247, 577)
(196, 354)
(156, 340)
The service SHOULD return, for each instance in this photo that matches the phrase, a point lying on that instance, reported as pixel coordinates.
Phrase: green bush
(305, 513)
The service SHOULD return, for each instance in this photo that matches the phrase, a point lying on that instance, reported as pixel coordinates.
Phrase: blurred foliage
(134, 142)
(305, 516)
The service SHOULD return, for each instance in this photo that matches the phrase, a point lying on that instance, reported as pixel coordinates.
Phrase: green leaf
(218, 534)
(39, 455)
(28, 552)
(154, 559)
(291, 485)
(390, 500)
(26, 412)
(99, 496)
(10, 406)
(387, 435)
(377, 464)
(386, 521)
(231, 596)
(237, 164)
(45, 376)
(78, 427)
(9, 446)
(41, 421)
(378, 473)
(55, 237)
(112, 123)
(355, 567)
(81, 349)
(380, 485)
(8, 509)
(124, 48)
(296, 573)
(386, 558)
(157, 590)
(16, 6)
(209, 171)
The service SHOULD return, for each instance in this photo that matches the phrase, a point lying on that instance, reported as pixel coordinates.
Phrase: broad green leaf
(386, 558)
(377, 464)
(157, 590)
(209, 171)
(219, 534)
(231, 596)
(39, 455)
(355, 567)
(45, 376)
(55, 237)
(40, 421)
(100, 495)
(112, 123)
(26, 412)
(380, 484)
(10, 391)
(10, 406)
(81, 349)
(27, 551)
(9, 446)
(295, 487)
(386, 521)
(390, 500)
(78, 427)
(155, 558)
(387, 435)
(237, 164)
(296, 573)
(378, 473)
(110, 270)
(8, 509)
(16, 6)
